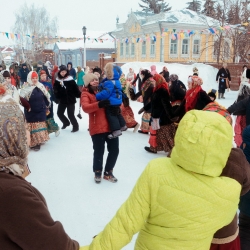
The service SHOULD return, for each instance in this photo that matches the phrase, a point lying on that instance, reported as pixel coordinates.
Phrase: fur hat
(6, 73)
(112, 71)
(173, 78)
(89, 78)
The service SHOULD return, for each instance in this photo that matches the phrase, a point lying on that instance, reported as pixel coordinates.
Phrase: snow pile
(206, 72)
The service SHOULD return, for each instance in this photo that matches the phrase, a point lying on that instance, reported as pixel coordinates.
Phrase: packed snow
(62, 169)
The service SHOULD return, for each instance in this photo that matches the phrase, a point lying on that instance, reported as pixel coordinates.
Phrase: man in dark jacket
(224, 79)
(23, 73)
(72, 71)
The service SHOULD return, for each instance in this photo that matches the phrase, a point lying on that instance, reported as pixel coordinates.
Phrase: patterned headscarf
(173, 77)
(160, 82)
(13, 140)
(214, 107)
(28, 87)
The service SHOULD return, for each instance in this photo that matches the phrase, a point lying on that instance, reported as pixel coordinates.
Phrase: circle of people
(188, 124)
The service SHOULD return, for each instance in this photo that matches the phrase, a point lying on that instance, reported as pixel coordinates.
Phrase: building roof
(7, 49)
(107, 43)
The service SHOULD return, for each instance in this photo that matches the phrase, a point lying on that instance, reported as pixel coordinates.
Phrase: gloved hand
(140, 111)
(155, 124)
(103, 104)
(132, 94)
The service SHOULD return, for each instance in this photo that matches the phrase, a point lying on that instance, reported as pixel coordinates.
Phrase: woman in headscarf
(26, 222)
(162, 128)
(146, 93)
(39, 99)
(240, 123)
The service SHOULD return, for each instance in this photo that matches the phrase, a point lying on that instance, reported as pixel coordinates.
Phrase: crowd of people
(186, 200)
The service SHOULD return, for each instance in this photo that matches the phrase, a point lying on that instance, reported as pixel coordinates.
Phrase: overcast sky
(74, 14)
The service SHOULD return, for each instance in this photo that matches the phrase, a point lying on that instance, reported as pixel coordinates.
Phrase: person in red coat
(99, 129)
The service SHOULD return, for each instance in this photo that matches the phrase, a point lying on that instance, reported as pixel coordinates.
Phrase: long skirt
(38, 133)
(240, 125)
(164, 138)
(145, 122)
(128, 116)
(233, 245)
(52, 126)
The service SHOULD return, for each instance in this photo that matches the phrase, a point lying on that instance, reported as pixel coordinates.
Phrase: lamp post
(84, 39)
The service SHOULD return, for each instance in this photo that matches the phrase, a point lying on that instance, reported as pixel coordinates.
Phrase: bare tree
(34, 25)
(155, 6)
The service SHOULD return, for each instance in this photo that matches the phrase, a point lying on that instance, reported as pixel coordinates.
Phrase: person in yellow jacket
(179, 202)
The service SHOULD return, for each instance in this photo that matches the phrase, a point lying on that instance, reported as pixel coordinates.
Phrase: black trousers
(222, 86)
(244, 226)
(114, 117)
(71, 114)
(99, 147)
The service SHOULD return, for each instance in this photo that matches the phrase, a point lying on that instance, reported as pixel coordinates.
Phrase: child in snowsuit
(110, 89)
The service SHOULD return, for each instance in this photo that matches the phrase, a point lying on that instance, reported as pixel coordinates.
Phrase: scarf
(13, 142)
(146, 85)
(28, 88)
(160, 82)
(192, 97)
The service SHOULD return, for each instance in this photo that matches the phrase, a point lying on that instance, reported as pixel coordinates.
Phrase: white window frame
(152, 48)
(173, 42)
(121, 49)
(143, 49)
(186, 49)
(132, 50)
(127, 49)
(196, 47)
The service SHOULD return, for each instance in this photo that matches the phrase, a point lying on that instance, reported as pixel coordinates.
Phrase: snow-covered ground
(62, 171)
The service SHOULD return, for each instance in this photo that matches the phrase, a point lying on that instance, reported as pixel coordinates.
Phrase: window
(196, 47)
(152, 47)
(74, 61)
(121, 49)
(127, 49)
(173, 47)
(79, 60)
(226, 50)
(143, 48)
(216, 48)
(184, 47)
(132, 49)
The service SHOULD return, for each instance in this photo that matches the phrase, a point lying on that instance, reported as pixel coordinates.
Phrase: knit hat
(173, 78)
(196, 71)
(89, 78)
(42, 72)
(63, 67)
(6, 73)
(34, 75)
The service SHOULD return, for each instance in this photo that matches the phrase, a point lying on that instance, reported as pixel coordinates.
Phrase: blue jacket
(111, 90)
(38, 104)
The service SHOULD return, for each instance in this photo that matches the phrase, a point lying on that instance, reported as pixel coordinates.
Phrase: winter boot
(219, 95)
(222, 96)
(74, 130)
(115, 134)
(36, 148)
(109, 176)
(124, 128)
(98, 177)
(136, 127)
(57, 133)
(65, 126)
(142, 132)
(148, 149)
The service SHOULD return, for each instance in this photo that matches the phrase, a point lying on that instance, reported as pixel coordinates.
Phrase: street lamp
(84, 37)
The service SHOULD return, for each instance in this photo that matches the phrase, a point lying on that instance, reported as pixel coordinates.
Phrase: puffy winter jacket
(179, 202)
(98, 122)
(111, 89)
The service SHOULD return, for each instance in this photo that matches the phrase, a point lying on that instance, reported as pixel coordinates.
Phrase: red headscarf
(34, 75)
(192, 94)
(160, 82)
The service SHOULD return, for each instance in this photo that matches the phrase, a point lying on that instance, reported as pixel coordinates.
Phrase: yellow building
(175, 36)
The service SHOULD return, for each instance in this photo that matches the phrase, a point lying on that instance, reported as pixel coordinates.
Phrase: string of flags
(174, 33)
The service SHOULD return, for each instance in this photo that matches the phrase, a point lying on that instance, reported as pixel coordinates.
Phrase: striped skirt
(38, 133)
